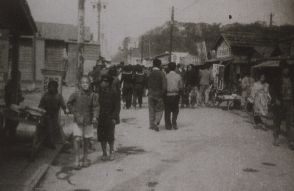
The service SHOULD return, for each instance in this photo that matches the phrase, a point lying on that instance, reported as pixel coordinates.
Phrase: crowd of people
(97, 102)
(261, 97)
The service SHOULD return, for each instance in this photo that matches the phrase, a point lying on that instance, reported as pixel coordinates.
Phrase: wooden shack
(15, 21)
(239, 51)
(53, 48)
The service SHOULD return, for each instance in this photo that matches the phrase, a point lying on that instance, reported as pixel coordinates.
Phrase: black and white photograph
(146, 95)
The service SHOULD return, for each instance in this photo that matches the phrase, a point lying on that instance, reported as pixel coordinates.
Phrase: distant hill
(186, 35)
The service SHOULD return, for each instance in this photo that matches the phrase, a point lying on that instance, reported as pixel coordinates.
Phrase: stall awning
(272, 64)
(15, 15)
(268, 64)
(215, 60)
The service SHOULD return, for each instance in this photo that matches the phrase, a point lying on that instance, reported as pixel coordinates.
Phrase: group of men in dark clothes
(133, 81)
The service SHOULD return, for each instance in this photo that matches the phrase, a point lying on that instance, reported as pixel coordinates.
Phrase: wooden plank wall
(40, 58)
(54, 55)
(26, 61)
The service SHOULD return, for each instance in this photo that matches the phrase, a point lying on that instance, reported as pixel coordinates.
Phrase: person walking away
(187, 86)
(12, 96)
(84, 105)
(109, 110)
(283, 106)
(116, 85)
(261, 99)
(205, 81)
(96, 74)
(174, 87)
(245, 91)
(139, 85)
(51, 102)
(190, 83)
(127, 80)
(181, 71)
(156, 91)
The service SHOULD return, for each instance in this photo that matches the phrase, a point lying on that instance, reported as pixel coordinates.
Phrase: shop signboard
(223, 51)
(218, 71)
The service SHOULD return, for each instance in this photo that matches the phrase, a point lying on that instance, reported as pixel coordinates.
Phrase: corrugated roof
(56, 31)
(262, 44)
(248, 39)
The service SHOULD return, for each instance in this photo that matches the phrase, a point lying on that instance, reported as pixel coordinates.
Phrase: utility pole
(142, 49)
(99, 8)
(81, 34)
(149, 48)
(271, 19)
(171, 34)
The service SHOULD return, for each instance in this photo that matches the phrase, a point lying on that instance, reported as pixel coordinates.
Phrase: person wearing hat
(96, 74)
(116, 85)
(139, 85)
(109, 110)
(127, 81)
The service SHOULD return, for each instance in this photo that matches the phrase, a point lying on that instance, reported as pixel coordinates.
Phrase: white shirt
(174, 83)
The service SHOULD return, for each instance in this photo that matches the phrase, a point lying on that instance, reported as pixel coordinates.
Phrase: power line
(188, 6)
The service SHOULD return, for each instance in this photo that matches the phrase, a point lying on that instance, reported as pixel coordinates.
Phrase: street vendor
(13, 96)
(51, 102)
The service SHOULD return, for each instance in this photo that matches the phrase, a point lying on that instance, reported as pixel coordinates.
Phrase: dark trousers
(48, 132)
(283, 112)
(10, 128)
(185, 96)
(257, 120)
(156, 106)
(106, 129)
(138, 95)
(171, 111)
(127, 94)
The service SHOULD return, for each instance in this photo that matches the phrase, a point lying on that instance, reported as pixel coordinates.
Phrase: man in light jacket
(174, 87)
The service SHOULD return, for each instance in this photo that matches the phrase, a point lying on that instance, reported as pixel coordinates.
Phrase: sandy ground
(212, 150)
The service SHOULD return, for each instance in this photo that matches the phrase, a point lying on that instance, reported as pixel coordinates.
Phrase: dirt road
(213, 150)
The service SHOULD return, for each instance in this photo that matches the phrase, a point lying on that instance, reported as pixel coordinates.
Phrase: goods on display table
(23, 114)
(229, 99)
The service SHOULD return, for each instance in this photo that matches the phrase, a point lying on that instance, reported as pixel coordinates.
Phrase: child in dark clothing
(51, 102)
(109, 109)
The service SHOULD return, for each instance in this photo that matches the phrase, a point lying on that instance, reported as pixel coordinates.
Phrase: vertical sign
(202, 52)
(218, 76)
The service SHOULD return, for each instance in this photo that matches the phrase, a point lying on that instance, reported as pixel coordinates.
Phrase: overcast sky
(123, 18)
